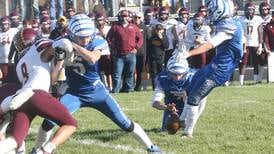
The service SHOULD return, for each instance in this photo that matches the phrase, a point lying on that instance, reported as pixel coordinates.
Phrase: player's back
(32, 72)
(230, 51)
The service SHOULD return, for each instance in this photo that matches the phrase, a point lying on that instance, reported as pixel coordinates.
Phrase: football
(173, 123)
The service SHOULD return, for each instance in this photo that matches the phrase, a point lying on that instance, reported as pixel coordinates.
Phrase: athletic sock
(42, 137)
(241, 79)
(141, 136)
(192, 115)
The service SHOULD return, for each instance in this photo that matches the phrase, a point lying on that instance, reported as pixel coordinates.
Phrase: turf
(237, 119)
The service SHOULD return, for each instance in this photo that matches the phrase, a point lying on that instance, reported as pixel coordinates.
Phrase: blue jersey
(82, 76)
(228, 53)
(174, 91)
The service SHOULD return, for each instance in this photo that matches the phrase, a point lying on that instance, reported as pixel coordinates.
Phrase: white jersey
(181, 31)
(267, 19)
(5, 42)
(31, 71)
(203, 34)
(250, 29)
(168, 26)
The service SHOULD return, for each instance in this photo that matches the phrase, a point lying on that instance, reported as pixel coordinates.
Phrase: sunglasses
(124, 15)
(137, 17)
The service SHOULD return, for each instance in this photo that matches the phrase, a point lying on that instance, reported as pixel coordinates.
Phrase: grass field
(236, 120)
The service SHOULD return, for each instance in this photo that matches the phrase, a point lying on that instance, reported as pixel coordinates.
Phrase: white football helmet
(177, 64)
(219, 9)
(81, 25)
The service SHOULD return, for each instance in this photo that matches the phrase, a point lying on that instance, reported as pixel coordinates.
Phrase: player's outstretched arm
(201, 49)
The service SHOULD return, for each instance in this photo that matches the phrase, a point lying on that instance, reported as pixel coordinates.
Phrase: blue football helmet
(81, 25)
(219, 9)
(177, 64)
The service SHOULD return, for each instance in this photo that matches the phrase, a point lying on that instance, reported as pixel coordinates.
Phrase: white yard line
(118, 147)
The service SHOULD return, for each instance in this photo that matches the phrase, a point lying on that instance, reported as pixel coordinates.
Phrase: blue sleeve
(98, 43)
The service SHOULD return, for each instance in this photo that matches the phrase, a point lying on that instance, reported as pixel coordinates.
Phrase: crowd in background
(140, 43)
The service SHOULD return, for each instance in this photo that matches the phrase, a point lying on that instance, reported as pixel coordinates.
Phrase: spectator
(170, 30)
(124, 39)
(142, 51)
(70, 12)
(35, 25)
(156, 51)
(251, 24)
(60, 29)
(148, 16)
(105, 62)
(15, 22)
(6, 37)
(269, 45)
(27, 23)
(44, 12)
(264, 10)
(203, 9)
(45, 27)
(269, 35)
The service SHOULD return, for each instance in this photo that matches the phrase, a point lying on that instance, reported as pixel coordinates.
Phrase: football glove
(64, 44)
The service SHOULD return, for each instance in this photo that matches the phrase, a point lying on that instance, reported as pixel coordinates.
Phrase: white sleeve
(219, 38)
(158, 95)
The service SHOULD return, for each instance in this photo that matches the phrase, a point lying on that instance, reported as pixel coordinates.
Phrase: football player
(181, 27)
(6, 35)
(264, 10)
(85, 87)
(33, 97)
(171, 85)
(170, 30)
(228, 43)
(197, 34)
(250, 24)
